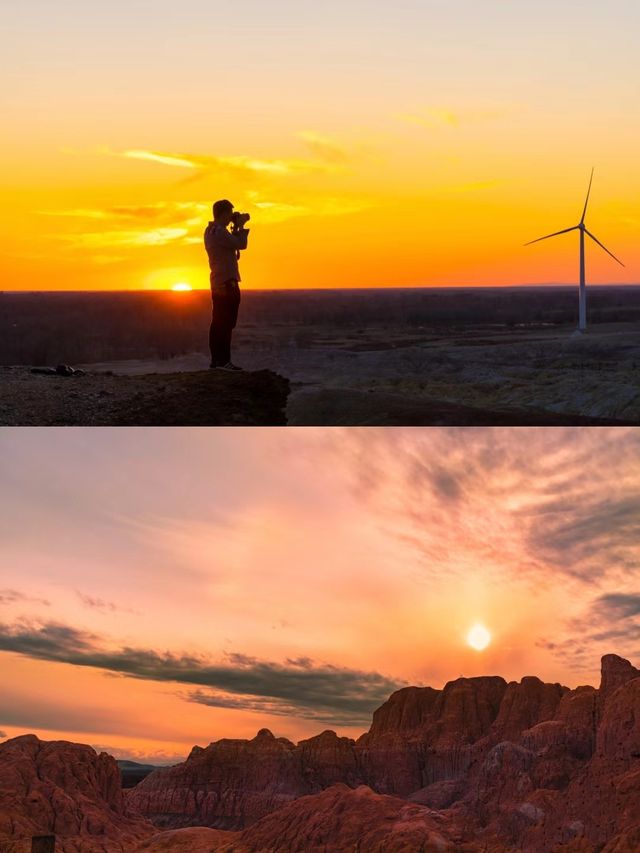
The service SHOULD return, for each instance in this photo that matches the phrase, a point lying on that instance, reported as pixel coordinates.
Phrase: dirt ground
(98, 398)
(459, 376)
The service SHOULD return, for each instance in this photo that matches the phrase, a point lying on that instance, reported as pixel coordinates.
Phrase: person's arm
(236, 240)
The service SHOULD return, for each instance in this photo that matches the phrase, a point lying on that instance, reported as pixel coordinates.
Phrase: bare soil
(201, 398)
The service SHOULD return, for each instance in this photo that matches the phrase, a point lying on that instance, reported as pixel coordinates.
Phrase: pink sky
(162, 588)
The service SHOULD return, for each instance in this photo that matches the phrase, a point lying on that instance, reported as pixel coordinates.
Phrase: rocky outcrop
(343, 820)
(339, 819)
(198, 398)
(197, 839)
(227, 785)
(327, 759)
(67, 790)
(422, 736)
(615, 671)
(571, 781)
(534, 765)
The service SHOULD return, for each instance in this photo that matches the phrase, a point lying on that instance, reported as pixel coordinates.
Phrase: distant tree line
(52, 328)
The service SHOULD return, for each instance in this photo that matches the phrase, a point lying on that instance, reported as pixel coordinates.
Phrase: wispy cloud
(183, 222)
(472, 186)
(165, 159)
(75, 213)
(595, 534)
(534, 507)
(12, 596)
(279, 708)
(173, 222)
(432, 117)
(502, 489)
(612, 620)
(325, 147)
(280, 211)
(163, 211)
(150, 237)
(104, 606)
(439, 117)
(618, 605)
(296, 687)
(238, 163)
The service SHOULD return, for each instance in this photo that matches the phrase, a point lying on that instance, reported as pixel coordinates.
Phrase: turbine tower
(582, 228)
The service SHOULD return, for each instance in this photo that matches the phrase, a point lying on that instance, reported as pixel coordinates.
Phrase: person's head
(223, 212)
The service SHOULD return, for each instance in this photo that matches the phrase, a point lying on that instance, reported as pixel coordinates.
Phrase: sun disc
(181, 286)
(478, 637)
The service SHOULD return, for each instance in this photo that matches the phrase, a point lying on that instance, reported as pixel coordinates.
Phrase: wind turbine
(582, 228)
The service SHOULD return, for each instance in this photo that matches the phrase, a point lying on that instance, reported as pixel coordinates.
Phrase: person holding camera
(223, 248)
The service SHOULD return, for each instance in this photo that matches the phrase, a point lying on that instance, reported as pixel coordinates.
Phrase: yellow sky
(416, 145)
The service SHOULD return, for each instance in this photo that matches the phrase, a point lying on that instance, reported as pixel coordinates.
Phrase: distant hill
(131, 772)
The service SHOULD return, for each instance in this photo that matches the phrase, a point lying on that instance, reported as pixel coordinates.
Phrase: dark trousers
(225, 300)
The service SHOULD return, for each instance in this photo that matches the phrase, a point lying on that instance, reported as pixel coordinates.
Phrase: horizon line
(338, 289)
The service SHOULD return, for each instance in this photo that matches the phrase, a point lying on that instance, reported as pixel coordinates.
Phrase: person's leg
(233, 306)
(219, 331)
(223, 353)
(215, 329)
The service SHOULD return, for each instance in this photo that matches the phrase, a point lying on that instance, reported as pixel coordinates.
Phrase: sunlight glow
(181, 286)
(478, 637)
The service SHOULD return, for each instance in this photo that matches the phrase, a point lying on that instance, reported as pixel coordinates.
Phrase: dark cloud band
(297, 687)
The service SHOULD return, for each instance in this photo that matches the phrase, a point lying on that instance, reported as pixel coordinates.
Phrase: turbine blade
(584, 212)
(555, 234)
(603, 247)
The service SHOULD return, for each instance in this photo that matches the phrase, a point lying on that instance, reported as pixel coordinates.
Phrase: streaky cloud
(165, 159)
(238, 162)
(299, 686)
(12, 596)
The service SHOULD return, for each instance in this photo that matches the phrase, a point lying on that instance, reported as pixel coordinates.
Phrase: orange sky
(293, 580)
(421, 143)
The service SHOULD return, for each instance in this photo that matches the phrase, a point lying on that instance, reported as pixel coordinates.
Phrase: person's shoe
(230, 367)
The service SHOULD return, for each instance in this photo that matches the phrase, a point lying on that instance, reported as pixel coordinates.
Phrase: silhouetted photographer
(223, 248)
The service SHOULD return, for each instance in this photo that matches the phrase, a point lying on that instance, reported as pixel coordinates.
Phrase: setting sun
(478, 637)
(181, 286)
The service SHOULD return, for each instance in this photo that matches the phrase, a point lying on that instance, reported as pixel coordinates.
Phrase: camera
(240, 219)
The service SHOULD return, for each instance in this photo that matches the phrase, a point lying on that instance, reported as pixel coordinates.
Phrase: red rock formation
(571, 783)
(67, 790)
(525, 704)
(227, 785)
(327, 759)
(498, 767)
(343, 820)
(422, 736)
(520, 762)
(615, 671)
(197, 839)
